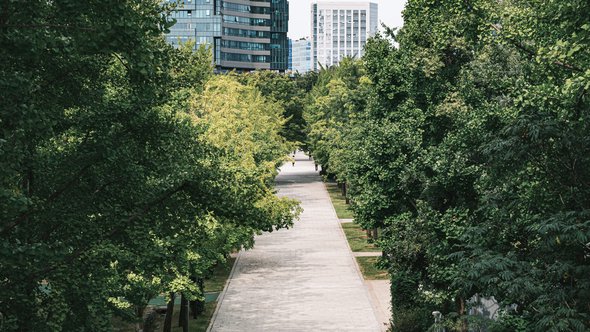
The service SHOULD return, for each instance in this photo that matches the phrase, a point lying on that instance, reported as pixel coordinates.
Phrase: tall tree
(470, 153)
(111, 191)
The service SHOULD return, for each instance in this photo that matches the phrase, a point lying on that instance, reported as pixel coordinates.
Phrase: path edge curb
(368, 294)
(222, 295)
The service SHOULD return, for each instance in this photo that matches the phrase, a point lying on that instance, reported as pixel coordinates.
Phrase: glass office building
(244, 35)
(341, 29)
(301, 55)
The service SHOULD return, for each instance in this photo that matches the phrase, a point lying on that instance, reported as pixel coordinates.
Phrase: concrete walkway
(367, 254)
(380, 292)
(301, 279)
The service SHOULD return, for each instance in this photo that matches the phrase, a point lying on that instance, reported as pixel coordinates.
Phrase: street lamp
(437, 321)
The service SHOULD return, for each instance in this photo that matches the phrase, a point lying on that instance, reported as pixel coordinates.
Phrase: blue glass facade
(278, 37)
(245, 35)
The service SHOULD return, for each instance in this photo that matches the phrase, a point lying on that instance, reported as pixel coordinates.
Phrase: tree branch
(23, 216)
(532, 53)
(142, 211)
(121, 61)
(69, 184)
(159, 200)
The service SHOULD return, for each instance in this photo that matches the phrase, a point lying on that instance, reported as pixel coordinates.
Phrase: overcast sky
(390, 13)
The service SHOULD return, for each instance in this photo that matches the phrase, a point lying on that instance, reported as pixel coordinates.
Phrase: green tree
(470, 152)
(289, 94)
(111, 191)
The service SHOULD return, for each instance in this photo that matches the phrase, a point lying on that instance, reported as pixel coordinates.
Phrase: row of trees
(127, 169)
(464, 137)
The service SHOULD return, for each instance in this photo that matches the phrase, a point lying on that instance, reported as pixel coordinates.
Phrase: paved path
(367, 254)
(302, 279)
(381, 297)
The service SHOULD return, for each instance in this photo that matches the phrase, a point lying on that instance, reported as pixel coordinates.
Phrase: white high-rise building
(301, 55)
(340, 29)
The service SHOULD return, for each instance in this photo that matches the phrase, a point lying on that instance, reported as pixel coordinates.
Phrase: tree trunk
(169, 313)
(197, 307)
(139, 310)
(345, 192)
(193, 309)
(464, 327)
(375, 234)
(182, 308)
(183, 317)
(200, 307)
(192, 305)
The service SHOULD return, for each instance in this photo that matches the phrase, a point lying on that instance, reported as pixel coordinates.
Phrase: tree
(112, 192)
(469, 152)
(288, 95)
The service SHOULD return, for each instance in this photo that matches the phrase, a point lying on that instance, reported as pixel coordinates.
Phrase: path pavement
(367, 254)
(301, 279)
(380, 293)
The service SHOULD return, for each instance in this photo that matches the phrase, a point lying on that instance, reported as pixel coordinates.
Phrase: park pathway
(301, 279)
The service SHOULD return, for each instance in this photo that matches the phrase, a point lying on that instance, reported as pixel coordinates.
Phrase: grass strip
(369, 268)
(338, 201)
(357, 238)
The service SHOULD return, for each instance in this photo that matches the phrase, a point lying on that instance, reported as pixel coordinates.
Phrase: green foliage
(411, 320)
(509, 322)
(111, 192)
(333, 103)
(471, 153)
(289, 95)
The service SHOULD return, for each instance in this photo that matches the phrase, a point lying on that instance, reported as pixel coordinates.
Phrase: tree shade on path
(301, 279)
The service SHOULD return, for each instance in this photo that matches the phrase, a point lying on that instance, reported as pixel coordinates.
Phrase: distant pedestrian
(316, 167)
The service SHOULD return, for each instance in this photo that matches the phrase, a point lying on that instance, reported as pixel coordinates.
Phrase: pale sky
(390, 13)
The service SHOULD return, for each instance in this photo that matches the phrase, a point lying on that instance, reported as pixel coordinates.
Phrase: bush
(404, 286)
(411, 320)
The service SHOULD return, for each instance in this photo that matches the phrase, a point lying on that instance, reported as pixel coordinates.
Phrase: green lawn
(214, 284)
(195, 325)
(220, 274)
(357, 238)
(339, 202)
(370, 270)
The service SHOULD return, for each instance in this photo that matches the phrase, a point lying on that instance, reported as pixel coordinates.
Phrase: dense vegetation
(464, 138)
(127, 169)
